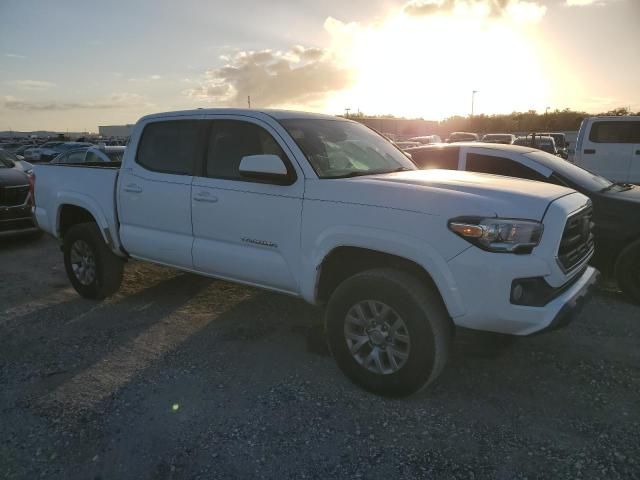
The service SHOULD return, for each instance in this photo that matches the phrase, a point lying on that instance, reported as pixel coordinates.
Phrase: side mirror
(265, 167)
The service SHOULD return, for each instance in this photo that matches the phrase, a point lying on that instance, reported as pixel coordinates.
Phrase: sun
(428, 66)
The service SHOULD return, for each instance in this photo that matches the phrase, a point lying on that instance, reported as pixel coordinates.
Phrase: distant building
(119, 131)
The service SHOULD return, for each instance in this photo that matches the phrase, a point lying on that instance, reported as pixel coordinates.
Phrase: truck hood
(11, 177)
(443, 193)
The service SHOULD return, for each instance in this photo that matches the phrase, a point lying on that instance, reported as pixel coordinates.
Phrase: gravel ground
(185, 377)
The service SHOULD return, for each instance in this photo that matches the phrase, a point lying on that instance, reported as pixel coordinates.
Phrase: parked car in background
(462, 137)
(10, 146)
(48, 155)
(15, 199)
(616, 206)
(560, 141)
(405, 145)
(20, 150)
(426, 139)
(504, 138)
(327, 210)
(546, 144)
(610, 146)
(91, 155)
(20, 164)
(33, 154)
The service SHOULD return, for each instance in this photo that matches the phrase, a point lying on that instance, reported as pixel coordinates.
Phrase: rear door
(634, 170)
(246, 230)
(607, 149)
(155, 192)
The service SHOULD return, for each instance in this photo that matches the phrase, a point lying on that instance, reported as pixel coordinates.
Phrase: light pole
(473, 98)
(546, 118)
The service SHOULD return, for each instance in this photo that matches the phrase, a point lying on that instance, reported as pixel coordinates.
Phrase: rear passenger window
(501, 166)
(230, 141)
(615, 132)
(427, 158)
(171, 147)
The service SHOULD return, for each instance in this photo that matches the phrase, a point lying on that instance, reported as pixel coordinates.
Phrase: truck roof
(252, 112)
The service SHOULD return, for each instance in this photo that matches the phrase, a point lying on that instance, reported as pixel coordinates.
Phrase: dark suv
(15, 199)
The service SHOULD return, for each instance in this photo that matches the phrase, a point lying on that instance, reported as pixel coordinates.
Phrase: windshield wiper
(362, 173)
(624, 186)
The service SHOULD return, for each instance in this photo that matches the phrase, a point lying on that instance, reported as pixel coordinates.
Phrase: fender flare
(90, 205)
(385, 241)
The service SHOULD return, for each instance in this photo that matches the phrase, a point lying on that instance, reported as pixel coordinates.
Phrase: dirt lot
(185, 377)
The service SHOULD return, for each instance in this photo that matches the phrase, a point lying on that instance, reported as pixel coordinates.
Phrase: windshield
(4, 163)
(340, 148)
(579, 176)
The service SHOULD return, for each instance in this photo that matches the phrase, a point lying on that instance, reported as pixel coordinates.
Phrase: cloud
(583, 3)
(32, 84)
(299, 76)
(116, 100)
(148, 78)
(14, 55)
(515, 9)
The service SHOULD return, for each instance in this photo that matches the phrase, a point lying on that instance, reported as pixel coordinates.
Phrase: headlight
(504, 235)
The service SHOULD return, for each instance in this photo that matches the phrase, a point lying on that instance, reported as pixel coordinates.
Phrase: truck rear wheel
(94, 271)
(628, 271)
(389, 333)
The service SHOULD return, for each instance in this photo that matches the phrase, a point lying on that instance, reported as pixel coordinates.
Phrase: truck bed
(89, 186)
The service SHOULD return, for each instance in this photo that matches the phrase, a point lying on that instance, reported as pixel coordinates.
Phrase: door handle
(133, 188)
(205, 197)
(589, 151)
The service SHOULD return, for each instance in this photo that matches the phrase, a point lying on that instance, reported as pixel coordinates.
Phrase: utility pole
(249, 100)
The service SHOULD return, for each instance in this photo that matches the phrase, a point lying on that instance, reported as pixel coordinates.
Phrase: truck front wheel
(389, 332)
(94, 271)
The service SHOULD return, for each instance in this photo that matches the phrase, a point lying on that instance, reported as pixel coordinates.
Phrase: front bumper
(16, 221)
(574, 305)
(484, 283)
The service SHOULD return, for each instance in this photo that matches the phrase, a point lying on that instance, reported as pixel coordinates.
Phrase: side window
(635, 132)
(613, 132)
(501, 166)
(445, 158)
(75, 157)
(230, 141)
(93, 157)
(171, 146)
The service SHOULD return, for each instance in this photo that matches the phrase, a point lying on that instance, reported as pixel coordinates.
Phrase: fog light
(516, 293)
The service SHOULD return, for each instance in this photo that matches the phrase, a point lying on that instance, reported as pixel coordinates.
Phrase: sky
(76, 64)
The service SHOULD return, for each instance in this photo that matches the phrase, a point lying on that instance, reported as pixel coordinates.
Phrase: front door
(246, 230)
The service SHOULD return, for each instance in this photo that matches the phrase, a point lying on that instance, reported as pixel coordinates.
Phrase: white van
(610, 146)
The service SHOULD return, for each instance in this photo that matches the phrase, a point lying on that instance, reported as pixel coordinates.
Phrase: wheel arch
(343, 261)
(78, 208)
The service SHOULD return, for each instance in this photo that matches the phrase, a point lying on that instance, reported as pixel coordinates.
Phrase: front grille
(12, 196)
(577, 239)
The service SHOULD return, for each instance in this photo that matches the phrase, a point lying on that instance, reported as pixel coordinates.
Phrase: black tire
(108, 267)
(428, 326)
(628, 271)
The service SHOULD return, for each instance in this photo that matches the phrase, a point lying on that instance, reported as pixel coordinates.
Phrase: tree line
(530, 121)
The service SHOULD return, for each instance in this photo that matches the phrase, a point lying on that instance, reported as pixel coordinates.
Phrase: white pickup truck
(327, 210)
